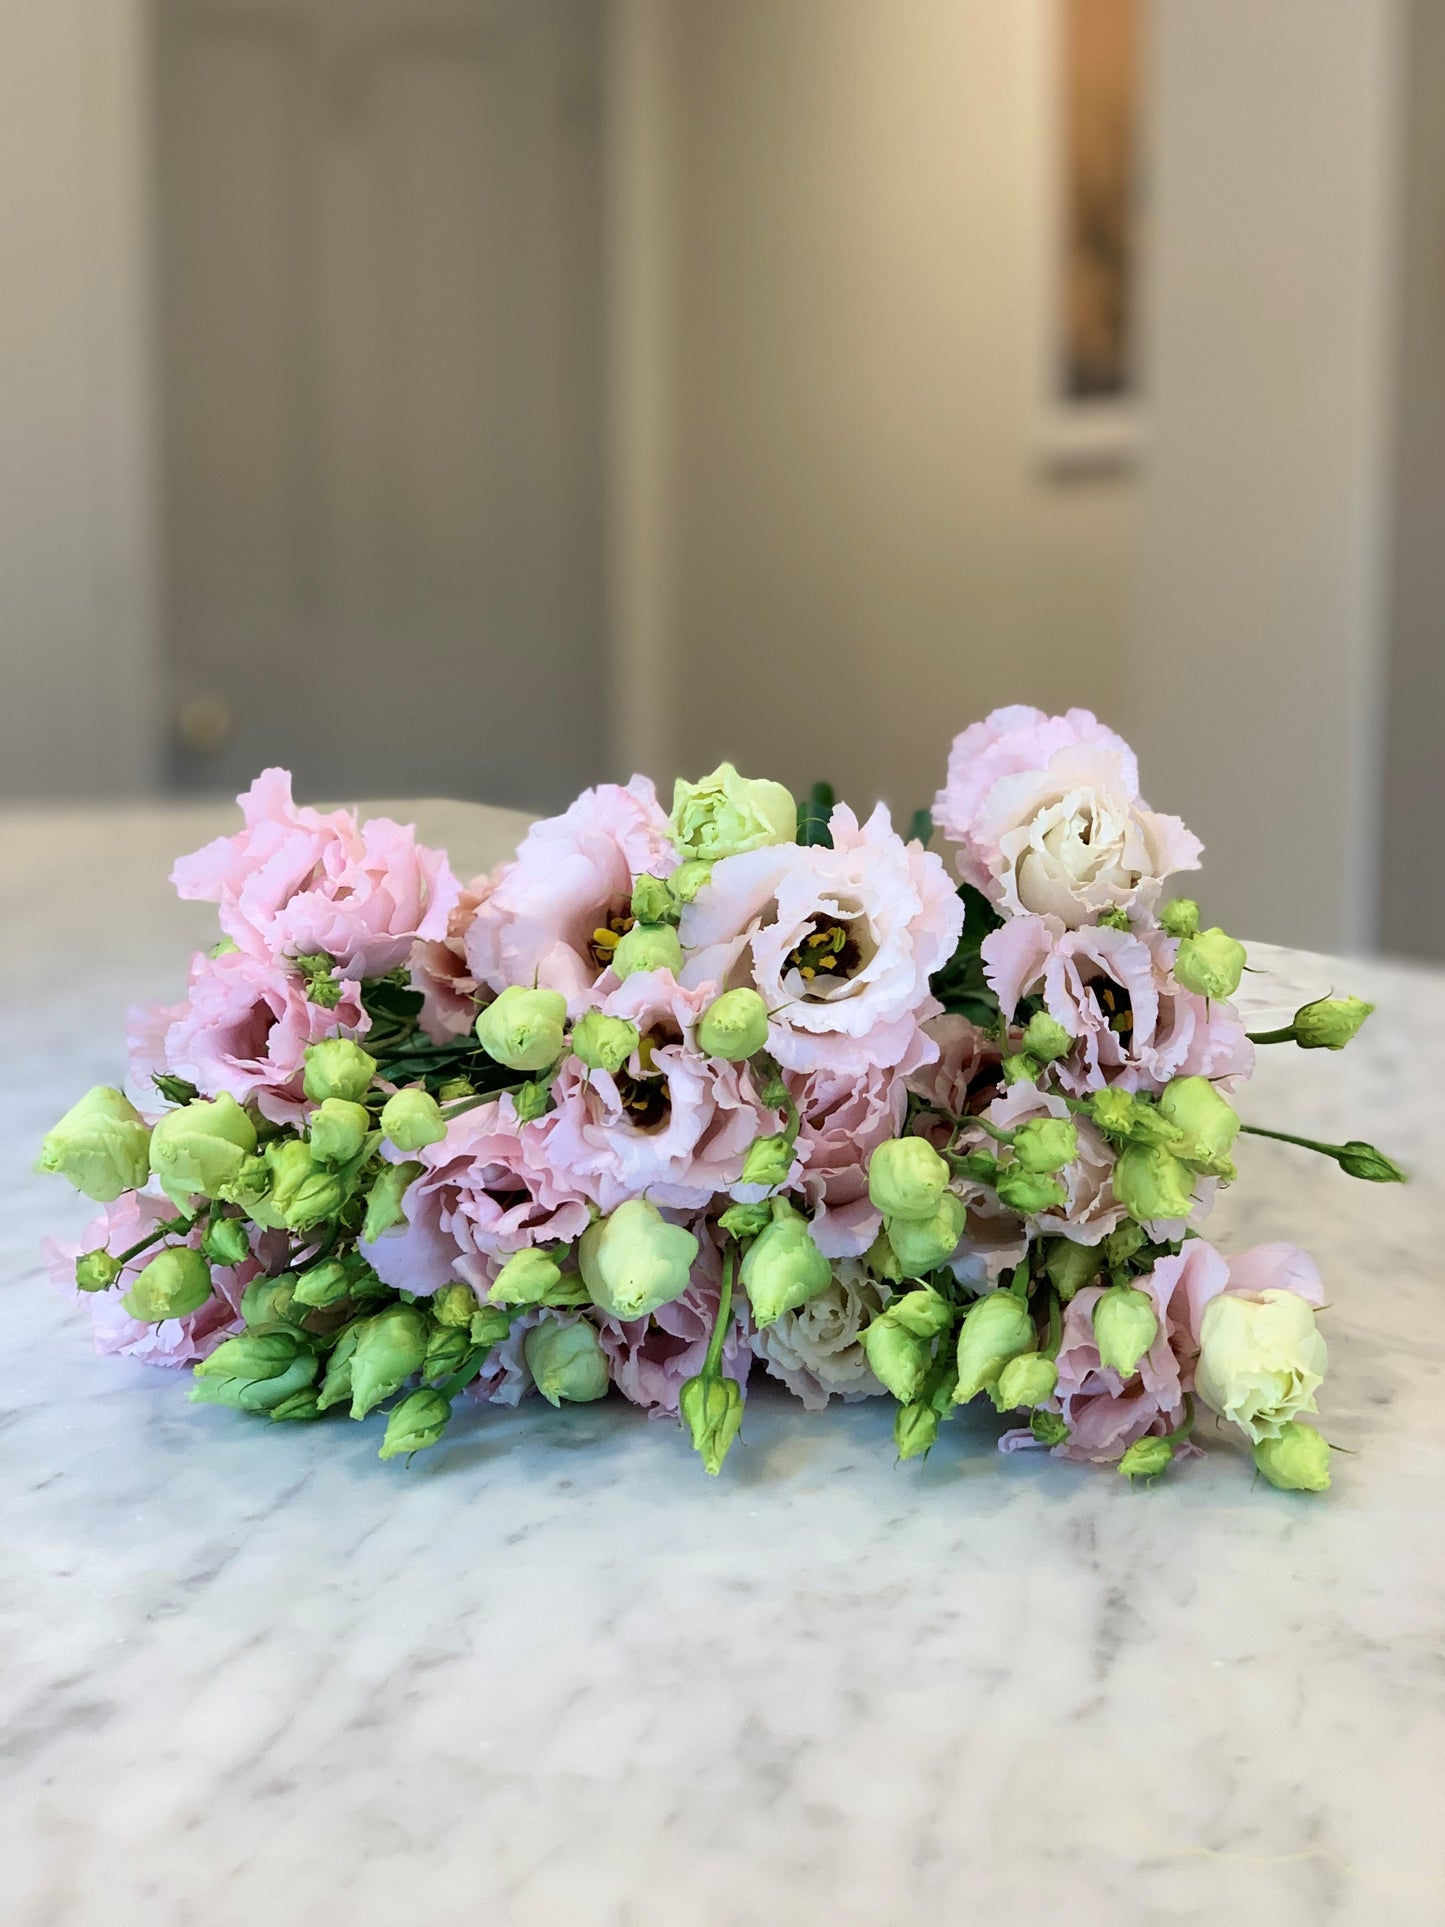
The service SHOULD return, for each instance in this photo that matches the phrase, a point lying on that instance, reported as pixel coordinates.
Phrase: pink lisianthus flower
(1046, 816)
(965, 1076)
(839, 942)
(651, 1359)
(296, 882)
(174, 1341)
(842, 1119)
(483, 1194)
(244, 1028)
(1111, 990)
(440, 971)
(571, 877)
(673, 1125)
(1104, 1414)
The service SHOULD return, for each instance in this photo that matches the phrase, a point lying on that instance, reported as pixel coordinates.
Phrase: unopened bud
(712, 1411)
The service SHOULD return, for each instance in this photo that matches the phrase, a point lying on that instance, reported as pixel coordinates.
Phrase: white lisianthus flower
(1261, 1360)
(816, 1350)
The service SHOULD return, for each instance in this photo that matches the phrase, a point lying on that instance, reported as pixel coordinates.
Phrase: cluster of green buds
(1208, 962)
(923, 1220)
(1164, 1145)
(1044, 1042)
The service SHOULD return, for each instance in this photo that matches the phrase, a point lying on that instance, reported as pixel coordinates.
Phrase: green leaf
(813, 814)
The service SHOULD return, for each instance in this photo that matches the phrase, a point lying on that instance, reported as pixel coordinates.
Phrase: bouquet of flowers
(668, 1099)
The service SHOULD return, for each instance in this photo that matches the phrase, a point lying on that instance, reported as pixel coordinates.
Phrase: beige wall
(1261, 644)
(864, 553)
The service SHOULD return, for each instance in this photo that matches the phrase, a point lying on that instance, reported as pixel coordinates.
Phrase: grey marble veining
(554, 1675)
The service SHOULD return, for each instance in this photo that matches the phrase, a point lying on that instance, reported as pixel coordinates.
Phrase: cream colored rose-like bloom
(815, 1350)
(1261, 1360)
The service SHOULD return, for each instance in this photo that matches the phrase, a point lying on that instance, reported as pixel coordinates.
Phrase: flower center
(1114, 1004)
(827, 955)
(646, 1099)
(609, 933)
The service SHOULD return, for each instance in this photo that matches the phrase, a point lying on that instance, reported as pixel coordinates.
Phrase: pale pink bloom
(843, 1118)
(673, 1125)
(1111, 989)
(965, 1075)
(482, 1196)
(817, 1351)
(174, 1341)
(244, 1029)
(900, 918)
(1046, 814)
(440, 971)
(571, 875)
(296, 882)
(651, 1359)
(504, 1378)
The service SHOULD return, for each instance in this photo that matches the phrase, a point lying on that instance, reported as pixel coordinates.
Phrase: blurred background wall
(486, 396)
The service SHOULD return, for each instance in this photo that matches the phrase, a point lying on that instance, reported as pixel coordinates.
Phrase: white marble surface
(552, 1674)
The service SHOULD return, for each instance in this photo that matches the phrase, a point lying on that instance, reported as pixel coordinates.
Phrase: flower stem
(161, 1231)
(724, 1314)
(1288, 1137)
(1284, 1036)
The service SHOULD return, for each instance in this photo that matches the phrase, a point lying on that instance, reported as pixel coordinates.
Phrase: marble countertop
(552, 1675)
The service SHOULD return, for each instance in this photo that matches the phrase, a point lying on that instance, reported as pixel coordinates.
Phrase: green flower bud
(532, 1100)
(922, 1311)
(907, 1179)
(525, 1279)
(647, 946)
(268, 1301)
(454, 1304)
(1045, 1039)
(769, 1160)
(415, 1423)
(1026, 1381)
(653, 901)
(300, 1404)
(226, 1241)
(1069, 1266)
(1030, 1193)
(882, 1260)
(490, 1325)
(323, 987)
(995, 1329)
(1044, 1145)
(1125, 1326)
(175, 1282)
(336, 1385)
(568, 1293)
(783, 1268)
(303, 1193)
(338, 1129)
(412, 1119)
(688, 878)
(455, 1088)
(97, 1270)
(1208, 1123)
(256, 1372)
(1116, 917)
(175, 1090)
(100, 1146)
(1146, 1458)
(1330, 1022)
(635, 1261)
(1210, 963)
(1296, 1459)
(915, 1430)
(446, 1347)
(322, 1285)
(1360, 1160)
(1180, 917)
(201, 1147)
(1049, 1428)
(1124, 1242)
(604, 1043)
(383, 1204)
(746, 1220)
(337, 1067)
(566, 1360)
(899, 1359)
(390, 1349)
(1152, 1184)
(734, 1026)
(725, 814)
(524, 1029)
(712, 1411)
(921, 1245)
(1019, 1068)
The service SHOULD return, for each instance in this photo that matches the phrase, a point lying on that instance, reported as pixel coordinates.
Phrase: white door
(381, 373)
